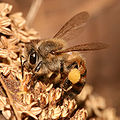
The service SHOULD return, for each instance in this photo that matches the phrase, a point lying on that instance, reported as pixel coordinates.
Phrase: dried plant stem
(10, 98)
(33, 11)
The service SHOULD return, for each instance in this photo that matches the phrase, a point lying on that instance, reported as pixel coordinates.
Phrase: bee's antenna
(22, 65)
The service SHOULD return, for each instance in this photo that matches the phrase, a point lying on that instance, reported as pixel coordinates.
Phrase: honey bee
(52, 62)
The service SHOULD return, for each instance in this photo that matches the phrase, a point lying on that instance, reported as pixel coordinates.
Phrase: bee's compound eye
(33, 57)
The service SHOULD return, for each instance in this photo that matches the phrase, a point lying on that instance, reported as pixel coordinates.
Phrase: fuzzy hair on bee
(39, 50)
(53, 62)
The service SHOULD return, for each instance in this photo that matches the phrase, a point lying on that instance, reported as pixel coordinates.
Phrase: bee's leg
(37, 68)
(58, 76)
(76, 89)
(30, 81)
(53, 77)
(73, 65)
(62, 72)
(67, 86)
(73, 89)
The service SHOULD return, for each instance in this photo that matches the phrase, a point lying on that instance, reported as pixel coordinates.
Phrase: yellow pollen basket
(74, 75)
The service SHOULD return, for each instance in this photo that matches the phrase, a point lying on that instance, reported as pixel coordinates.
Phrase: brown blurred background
(104, 25)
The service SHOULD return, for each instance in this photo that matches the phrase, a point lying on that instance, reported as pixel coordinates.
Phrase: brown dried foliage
(43, 102)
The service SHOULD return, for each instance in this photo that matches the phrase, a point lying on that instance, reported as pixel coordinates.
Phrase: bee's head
(37, 51)
(32, 56)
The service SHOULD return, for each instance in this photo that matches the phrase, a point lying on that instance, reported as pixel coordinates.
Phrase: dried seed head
(24, 82)
(109, 114)
(5, 9)
(68, 107)
(49, 87)
(7, 114)
(54, 113)
(18, 20)
(28, 98)
(54, 95)
(43, 99)
(4, 23)
(4, 42)
(40, 86)
(22, 109)
(13, 55)
(38, 90)
(5, 107)
(72, 105)
(6, 71)
(95, 104)
(3, 102)
(64, 111)
(1, 45)
(80, 115)
(36, 110)
(44, 115)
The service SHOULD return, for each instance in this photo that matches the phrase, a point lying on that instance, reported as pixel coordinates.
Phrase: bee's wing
(75, 23)
(84, 47)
